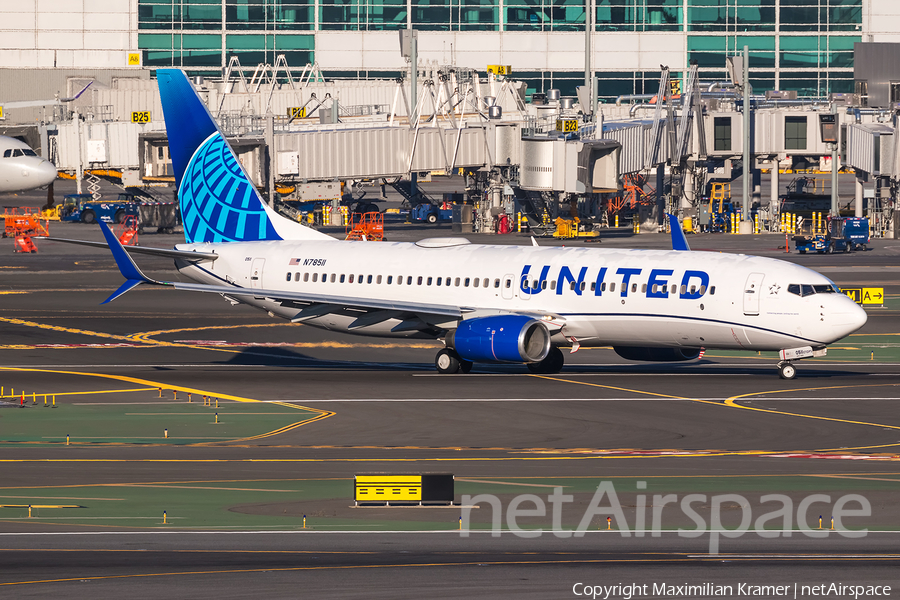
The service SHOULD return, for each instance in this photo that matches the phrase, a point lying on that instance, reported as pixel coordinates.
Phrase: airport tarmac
(301, 411)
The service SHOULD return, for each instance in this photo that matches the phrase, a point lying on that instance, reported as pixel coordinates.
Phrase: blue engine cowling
(657, 354)
(501, 338)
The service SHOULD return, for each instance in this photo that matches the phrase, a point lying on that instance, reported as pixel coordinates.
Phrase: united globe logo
(218, 202)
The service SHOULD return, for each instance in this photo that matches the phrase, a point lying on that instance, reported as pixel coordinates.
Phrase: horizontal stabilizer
(185, 254)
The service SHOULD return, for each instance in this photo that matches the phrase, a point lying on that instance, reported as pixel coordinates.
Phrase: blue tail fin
(218, 200)
(679, 242)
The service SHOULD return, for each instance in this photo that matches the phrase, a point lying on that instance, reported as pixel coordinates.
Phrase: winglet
(129, 270)
(679, 242)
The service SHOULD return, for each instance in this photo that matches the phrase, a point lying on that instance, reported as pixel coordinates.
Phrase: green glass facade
(802, 45)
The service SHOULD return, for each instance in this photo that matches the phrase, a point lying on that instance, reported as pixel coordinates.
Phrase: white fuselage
(21, 169)
(599, 297)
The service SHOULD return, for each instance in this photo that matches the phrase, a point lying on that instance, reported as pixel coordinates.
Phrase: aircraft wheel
(552, 364)
(787, 371)
(447, 362)
(465, 366)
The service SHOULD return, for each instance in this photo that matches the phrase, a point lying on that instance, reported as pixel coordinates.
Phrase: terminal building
(795, 45)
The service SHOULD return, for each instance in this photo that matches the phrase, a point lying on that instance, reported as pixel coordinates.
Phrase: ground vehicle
(82, 207)
(431, 213)
(821, 244)
(855, 230)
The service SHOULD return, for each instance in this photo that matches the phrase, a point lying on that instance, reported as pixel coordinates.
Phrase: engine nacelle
(657, 354)
(501, 338)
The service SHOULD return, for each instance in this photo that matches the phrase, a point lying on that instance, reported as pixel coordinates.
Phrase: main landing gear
(553, 363)
(448, 361)
(786, 370)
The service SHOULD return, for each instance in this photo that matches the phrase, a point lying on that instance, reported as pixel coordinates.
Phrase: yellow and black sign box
(567, 125)
(500, 69)
(865, 295)
(296, 112)
(403, 488)
(140, 116)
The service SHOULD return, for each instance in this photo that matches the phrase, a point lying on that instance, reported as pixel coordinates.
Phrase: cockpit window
(29, 152)
(804, 290)
(18, 152)
(7, 153)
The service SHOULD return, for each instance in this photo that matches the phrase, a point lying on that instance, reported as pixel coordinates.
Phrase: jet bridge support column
(858, 199)
(774, 204)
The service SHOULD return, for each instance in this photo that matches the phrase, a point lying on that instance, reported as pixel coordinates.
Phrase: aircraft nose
(43, 174)
(848, 317)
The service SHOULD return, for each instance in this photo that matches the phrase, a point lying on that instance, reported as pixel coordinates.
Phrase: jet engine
(501, 338)
(657, 354)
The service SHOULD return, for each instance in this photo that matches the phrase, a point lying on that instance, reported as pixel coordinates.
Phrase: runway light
(820, 521)
(304, 521)
(217, 418)
(29, 511)
(166, 433)
(67, 439)
(832, 523)
(217, 403)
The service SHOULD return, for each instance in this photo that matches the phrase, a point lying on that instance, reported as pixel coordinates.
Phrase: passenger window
(378, 280)
(485, 282)
(544, 284)
(653, 288)
(594, 286)
(612, 287)
(296, 276)
(369, 279)
(351, 278)
(324, 277)
(712, 291)
(409, 280)
(400, 280)
(456, 283)
(315, 277)
(644, 288)
(390, 279)
(572, 286)
(702, 289)
(553, 284)
(360, 279)
(633, 287)
(305, 277)
(674, 289)
(438, 282)
(419, 281)
(332, 277)
(583, 284)
(496, 283)
(603, 287)
(342, 277)
(475, 283)
(693, 290)
(428, 281)
(466, 282)
(683, 290)
(288, 277)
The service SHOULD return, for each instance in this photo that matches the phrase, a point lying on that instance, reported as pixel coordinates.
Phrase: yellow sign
(134, 59)
(1, 112)
(499, 69)
(140, 116)
(854, 294)
(567, 125)
(296, 112)
(388, 488)
(873, 296)
(675, 86)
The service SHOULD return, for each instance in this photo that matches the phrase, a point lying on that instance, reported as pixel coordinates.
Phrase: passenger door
(752, 291)
(506, 286)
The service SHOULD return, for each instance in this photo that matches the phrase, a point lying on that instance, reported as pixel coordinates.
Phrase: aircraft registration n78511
(491, 304)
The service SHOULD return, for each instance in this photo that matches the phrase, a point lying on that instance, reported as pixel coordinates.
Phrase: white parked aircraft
(21, 169)
(510, 304)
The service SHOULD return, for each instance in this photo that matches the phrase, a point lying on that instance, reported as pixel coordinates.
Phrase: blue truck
(431, 213)
(846, 234)
(82, 207)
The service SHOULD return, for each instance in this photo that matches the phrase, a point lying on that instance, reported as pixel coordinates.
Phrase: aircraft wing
(308, 305)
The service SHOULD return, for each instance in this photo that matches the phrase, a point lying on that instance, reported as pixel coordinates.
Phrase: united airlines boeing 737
(493, 304)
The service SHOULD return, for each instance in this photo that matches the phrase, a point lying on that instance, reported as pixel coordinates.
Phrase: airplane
(21, 169)
(488, 303)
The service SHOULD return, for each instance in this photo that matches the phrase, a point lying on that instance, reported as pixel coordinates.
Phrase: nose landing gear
(786, 370)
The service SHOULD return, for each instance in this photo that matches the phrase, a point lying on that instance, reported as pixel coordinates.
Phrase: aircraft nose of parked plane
(41, 174)
(847, 317)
